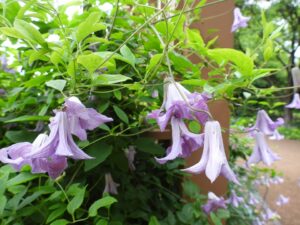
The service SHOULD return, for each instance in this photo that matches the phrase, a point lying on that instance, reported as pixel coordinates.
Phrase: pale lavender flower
(2, 91)
(282, 200)
(154, 94)
(262, 152)
(295, 104)
(214, 203)
(82, 118)
(184, 142)
(60, 141)
(130, 154)
(253, 200)
(258, 221)
(213, 160)
(110, 185)
(276, 136)
(265, 124)
(270, 215)
(277, 180)
(239, 20)
(234, 200)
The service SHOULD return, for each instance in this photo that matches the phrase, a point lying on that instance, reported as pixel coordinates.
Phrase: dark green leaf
(100, 151)
(121, 114)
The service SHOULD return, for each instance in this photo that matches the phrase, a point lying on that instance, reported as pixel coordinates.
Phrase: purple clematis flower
(282, 200)
(265, 124)
(184, 142)
(130, 154)
(239, 20)
(262, 152)
(253, 199)
(214, 203)
(276, 136)
(270, 215)
(155, 94)
(213, 160)
(258, 221)
(295, 104)
(82, 118)
(110, 185)
(277, 180)
(60, 141)
(234, 200)
(16, 156)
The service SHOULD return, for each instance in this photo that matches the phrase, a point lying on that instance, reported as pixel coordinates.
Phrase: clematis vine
(214, 203)
(180, 104)
(282, 200)
(295, 104)
(82, 118)
(262, 152)
(110, 185)
(16, 155)
(239, 20)
(213, 160)
(234, 200)
(265, 124)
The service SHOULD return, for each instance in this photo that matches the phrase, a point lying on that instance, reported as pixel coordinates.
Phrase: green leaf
(60, 222)
(100, 152)
(20, 136)
(91, 61)
(215, 219)
(22, 178)
(76, 202)
(56, 213)
(194, 82)
(57, 84)
(149, 146)
(106, 79)
(153, 62)
(121, 114)
(223, 213)
(103, 202)
(28, 118)
(243, 63)
(11, 32)
(102, 222)
(126, 52)
(3, 201)
(153, 221)
(195, 41)
(36, 81)
(195, 127)
(29, 32)
(89, 26)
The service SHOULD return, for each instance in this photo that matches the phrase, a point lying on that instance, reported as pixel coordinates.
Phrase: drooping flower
(82, 118)
(130, 154)
(276, 136)
(60, 141)
(253, 200)
(16, 155)
(184, 142)
(239, 20)
(213, 160)
(214, 203)
(262, 152)
(277, 180)
(270, 215)
(110, 185)
(234, 200)
(154, 94)
(295, 104)
(282, 200)
(265, 124)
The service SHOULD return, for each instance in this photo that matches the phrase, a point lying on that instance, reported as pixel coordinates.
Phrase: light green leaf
(11, 32)
(103, 202)
(91, 61)
(106, 79)
(57, 84)
(121, 114)
(89, 26)
(153, 221)
(127, 53)
(76, 202)
(28, 118)
(56, 213)
(3, 201)
(60, 222)
(100, 152)
(153, 62)
(21, 178)
(215, 219)
(36, 81)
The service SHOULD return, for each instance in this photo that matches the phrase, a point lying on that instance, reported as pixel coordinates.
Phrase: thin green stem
(114, 20)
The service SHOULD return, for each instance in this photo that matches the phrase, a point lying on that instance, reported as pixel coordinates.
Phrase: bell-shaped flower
(276, 136)
(60, 141)
(213, 160)
(110, 185)
(82, 118)
(130, 154)
(214, 203)
(239, 20)
(234, 200)
(184, 142)
(262, 152)
(265, 124)
(270, 215)
(295, 104)
(282, 200)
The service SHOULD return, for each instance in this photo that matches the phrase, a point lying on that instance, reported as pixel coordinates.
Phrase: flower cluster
(179, 105)
(48, 154)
